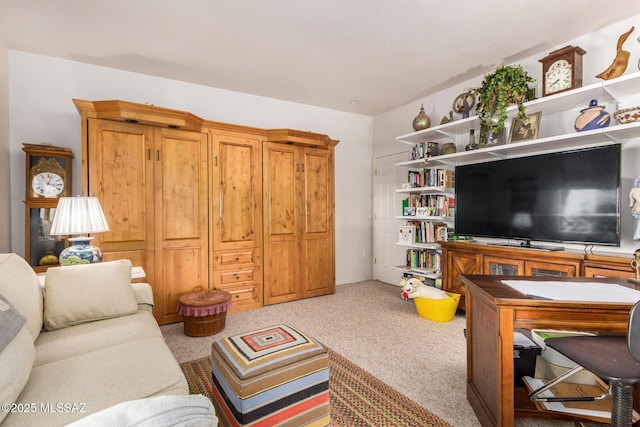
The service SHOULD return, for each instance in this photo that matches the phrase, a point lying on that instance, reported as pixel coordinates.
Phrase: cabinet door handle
(148, 153)
(158, 155)
(215, 161)
(302, 167)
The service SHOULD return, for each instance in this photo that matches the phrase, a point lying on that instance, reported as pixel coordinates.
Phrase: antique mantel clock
(562, 70)
(48, 177)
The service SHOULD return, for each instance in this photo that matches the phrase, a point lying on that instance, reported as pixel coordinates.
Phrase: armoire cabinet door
(181, 216)
(120, 175)
(236, 218)
(282, 192)
(317, 263)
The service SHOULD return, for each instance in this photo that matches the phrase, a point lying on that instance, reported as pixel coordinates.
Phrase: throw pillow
(11, 322)
(85, 293)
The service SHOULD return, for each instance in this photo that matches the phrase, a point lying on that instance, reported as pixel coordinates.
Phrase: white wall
(601, 49)
(42, 111)
(5, 183)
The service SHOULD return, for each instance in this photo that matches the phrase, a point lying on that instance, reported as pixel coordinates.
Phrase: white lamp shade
(78, 215)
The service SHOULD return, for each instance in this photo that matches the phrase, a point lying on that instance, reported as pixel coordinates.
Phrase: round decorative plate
(464, 102)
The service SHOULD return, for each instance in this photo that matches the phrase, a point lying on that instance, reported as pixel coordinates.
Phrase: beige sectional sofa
(90, 343)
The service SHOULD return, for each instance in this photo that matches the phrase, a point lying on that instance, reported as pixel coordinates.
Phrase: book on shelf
(429, 231)
(427, 259)
(431, 178)
(436, 204)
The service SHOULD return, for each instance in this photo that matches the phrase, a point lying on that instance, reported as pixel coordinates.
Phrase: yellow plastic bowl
(438, 310)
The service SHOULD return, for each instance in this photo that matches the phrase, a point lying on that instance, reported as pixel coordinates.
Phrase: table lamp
(79, 216)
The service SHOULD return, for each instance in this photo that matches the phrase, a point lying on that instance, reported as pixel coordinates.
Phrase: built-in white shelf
(616, 90)
(425, 218)
(431, 274)
(425, 190)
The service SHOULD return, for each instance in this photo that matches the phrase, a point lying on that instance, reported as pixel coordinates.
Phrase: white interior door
(387, 204)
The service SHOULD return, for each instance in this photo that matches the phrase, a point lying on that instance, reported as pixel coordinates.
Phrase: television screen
(572, 196)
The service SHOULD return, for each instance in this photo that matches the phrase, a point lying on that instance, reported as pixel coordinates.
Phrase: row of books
(432, 178)
(424, 150)
(431, 232)
(428, 259)
(435, 204)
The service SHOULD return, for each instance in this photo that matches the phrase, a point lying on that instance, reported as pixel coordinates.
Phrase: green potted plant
(507, 85)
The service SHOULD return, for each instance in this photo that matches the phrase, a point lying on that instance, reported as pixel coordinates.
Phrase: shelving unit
(433, 248)
(616, 91)
(606, 91)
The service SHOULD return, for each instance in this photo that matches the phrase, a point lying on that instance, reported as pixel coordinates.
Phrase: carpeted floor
(368, 323)
(357, 398)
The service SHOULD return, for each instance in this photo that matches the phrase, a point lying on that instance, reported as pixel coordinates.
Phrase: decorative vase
(472, 145)
(422, 121)
(593, 117)
(448, 148)
(81, 251)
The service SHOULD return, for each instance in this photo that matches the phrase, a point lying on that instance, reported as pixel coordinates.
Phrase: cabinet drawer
(242, 294)
(229, 259)
(243, 297)
(607, 272)
(234, 277)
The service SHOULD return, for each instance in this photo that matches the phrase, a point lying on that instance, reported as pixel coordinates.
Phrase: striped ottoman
(270, 376)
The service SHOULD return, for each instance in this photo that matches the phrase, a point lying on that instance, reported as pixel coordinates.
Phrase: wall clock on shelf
(48, 177)
(562, 70)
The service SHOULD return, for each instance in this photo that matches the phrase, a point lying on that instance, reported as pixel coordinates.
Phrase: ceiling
(361, 56)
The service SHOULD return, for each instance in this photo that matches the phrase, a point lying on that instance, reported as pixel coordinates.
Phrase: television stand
(527, 244)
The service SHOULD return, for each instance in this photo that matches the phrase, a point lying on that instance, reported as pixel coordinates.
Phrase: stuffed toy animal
(413, 288)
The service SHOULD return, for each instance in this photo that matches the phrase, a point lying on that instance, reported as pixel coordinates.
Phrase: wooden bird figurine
(619, 62)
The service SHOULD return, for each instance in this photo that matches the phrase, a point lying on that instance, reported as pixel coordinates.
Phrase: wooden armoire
(202, 204)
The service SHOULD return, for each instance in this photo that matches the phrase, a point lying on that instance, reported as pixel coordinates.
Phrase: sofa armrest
(144, 296)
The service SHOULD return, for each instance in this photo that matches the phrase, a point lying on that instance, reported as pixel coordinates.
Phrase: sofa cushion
(93, 381)
(16, 361)
(21, 287)
(85, 293)
(87, 337)
(160, 411)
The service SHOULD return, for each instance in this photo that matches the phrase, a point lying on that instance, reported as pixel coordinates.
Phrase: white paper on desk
(575, 291)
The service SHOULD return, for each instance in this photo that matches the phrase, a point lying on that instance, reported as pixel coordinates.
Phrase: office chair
(612, 358)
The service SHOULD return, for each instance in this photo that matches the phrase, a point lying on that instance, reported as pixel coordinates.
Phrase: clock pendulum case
(48, 177)
(562, 70)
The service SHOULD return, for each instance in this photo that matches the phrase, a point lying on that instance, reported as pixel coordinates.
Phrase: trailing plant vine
(507, 85)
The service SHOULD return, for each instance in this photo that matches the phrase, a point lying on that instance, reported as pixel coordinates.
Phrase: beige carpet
(369, 324)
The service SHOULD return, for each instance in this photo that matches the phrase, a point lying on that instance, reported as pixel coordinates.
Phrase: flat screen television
(572, 197)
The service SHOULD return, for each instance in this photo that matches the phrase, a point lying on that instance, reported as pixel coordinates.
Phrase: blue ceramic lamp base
(80, 252)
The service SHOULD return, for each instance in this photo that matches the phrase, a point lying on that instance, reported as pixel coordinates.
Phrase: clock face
(47, 184)
(558, 77)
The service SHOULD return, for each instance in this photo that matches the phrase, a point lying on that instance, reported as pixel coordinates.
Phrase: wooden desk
(494, 310)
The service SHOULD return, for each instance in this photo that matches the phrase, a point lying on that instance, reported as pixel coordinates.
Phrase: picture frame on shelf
(406, 235)
(423, 211)
(525, 130)
(409, 211)
(491, 139)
